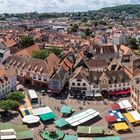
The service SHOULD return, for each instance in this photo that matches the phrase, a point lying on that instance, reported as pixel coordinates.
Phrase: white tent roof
(135, 115)
(30, 119)
(125, 104)
(40, 111)
(7, 134)
(82, 117)
(8, 137)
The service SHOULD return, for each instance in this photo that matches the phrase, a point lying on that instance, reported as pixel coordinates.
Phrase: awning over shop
(65, 109)
(30, 119)
(117, 114)
(89, 94)
(121, 126)
(70, 137)
(47, 116)
(61, 122)
(97, 94)
(110, 119)
(107, 138)
(120, 92)
(115, 106)
(125, 104)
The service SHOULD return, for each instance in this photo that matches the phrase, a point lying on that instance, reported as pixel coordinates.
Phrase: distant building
(119, 39)
(8, 80)
(4, 53)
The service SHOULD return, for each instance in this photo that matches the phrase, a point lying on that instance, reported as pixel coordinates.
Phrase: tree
(56, 50)
(88, 32)
(133, 43)
(16, 96)
(41, 54)
(26, 41)
(74, 28)
(9, 105)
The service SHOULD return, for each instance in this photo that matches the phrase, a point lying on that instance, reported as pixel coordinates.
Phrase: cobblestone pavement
(54, 103)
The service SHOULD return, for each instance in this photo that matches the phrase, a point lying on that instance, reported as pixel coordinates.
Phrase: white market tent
(125, 104)
(135, 115)
(82, 117)
(40, 111)
(30, 119)
(7, 134)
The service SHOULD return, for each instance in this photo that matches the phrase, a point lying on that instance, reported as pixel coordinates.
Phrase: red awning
(120, 92)
(110, 119)
(115, 106)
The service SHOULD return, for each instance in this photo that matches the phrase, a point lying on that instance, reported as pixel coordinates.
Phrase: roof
(124, 49)
(4, 126)
(115, 106)
(110, 119)
(41, 110)
(82, 117)
(108, 138)
(28, 51)
(117, 76)
(44, 67)
(47, 116)
(8, 41)
(24, 135)
(135, 115)
(70, 137)
(125, 104)
(89, 130)
(80, 73)
(121, 126)
(97, 63)
(61, 122)
(65, 109)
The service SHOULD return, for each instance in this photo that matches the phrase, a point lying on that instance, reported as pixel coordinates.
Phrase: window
(39, 77)
(79, 80)
(84, 84)
(73, 84)
(34, 76)
(45, 79)
(78, 84)
(21, 72)
(115, 85)
(110, 86)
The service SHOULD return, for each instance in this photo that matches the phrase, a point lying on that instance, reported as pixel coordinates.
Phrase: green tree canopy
(56, 50)
(88, 32)
(9, 105)
(74, 28)
(26, 41)
(133, 43)
(16, 96)
(41, 54)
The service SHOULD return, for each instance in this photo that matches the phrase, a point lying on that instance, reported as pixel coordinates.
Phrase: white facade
(7, 86)
(5, 54)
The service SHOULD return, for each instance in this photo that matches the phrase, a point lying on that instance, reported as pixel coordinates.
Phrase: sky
(20, 6)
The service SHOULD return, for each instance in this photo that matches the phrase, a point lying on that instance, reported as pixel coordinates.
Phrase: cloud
(19, 6)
